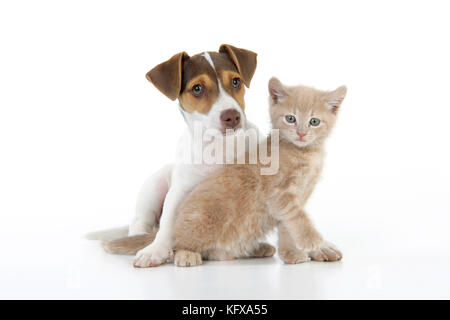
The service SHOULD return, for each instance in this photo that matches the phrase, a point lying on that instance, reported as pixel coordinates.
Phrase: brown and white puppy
(210, 90)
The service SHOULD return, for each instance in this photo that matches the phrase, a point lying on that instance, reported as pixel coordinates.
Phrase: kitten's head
(303, 115)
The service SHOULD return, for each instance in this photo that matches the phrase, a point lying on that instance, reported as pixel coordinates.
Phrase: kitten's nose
(301, 134)
(230, 118)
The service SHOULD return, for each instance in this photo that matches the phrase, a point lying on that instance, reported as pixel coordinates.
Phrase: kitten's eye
(236, 82)
(290, 119)
(314, 122)
(197, 89)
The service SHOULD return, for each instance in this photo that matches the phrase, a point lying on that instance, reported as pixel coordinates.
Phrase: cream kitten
(229, 212)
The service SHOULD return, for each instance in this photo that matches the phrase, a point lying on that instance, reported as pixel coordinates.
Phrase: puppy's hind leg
(160, 250)
(150, 201)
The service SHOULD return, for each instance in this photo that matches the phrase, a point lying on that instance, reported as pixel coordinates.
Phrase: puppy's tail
(129, 245)
(108, 234)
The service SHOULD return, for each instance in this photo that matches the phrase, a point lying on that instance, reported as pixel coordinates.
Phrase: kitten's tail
(129, 245)
(108, 234)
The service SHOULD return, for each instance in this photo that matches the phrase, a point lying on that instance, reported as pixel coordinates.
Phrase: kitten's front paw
(185, 258)
(326, 252)
(293, 256)
(311, 240)
(152, 256)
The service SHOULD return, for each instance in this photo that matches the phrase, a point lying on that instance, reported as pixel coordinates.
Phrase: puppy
(210, 89)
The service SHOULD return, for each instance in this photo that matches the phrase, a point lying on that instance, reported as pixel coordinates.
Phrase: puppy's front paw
(293, 256)
(310, 241)
(152, 256)
(326, 252)
(185, 258)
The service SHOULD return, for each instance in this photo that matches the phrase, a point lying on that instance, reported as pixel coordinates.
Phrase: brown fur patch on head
(226, 72)
(177, 77)
(237, 92)
(244, 60)
(200, 103)
(198, 71)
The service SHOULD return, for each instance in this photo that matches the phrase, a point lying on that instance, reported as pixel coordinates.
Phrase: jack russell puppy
(210, 90)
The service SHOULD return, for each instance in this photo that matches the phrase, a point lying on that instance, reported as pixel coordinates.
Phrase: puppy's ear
(276, 90)
(167, 76)
(244, 60)
(334, 98)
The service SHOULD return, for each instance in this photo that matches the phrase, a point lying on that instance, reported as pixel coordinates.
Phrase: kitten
(228, 213)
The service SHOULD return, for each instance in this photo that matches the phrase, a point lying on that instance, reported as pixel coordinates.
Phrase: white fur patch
(208, 58)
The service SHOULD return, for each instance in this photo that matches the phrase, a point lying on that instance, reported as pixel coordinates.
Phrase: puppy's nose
(230, 118)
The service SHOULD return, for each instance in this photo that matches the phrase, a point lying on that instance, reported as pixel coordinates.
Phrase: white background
(81, 129)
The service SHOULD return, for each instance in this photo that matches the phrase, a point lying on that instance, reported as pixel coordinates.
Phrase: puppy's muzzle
(230, 119)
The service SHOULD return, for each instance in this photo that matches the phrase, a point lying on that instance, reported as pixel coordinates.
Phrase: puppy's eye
(290, 119)
(197, 89)
(314, 122)
(236, 82)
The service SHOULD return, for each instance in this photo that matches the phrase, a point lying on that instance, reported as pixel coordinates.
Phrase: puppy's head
(209, 86)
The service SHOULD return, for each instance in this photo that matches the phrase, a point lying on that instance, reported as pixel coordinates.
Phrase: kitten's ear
(334, 98)
(276, 90)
